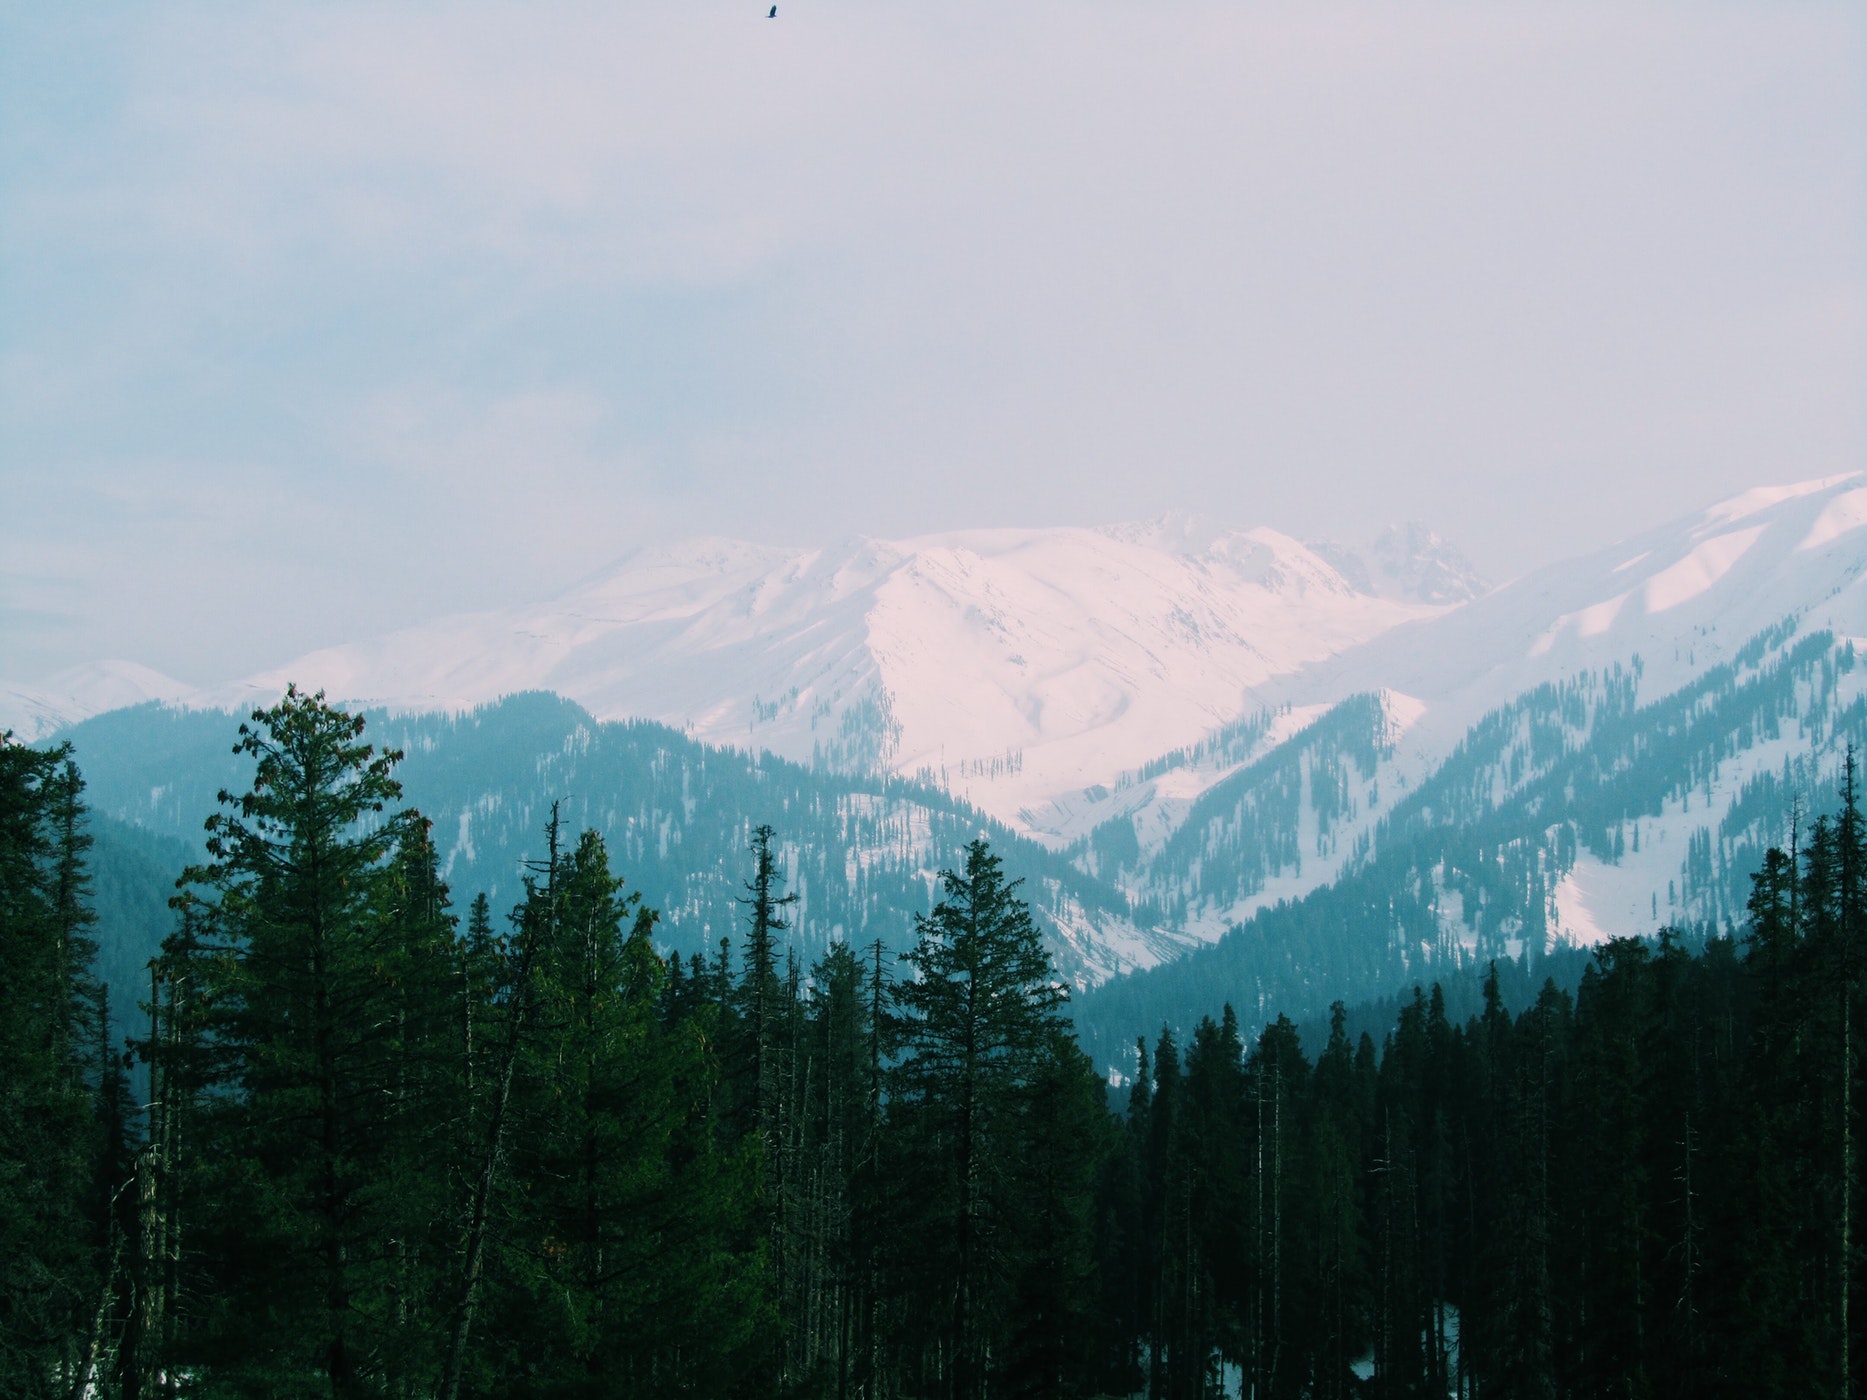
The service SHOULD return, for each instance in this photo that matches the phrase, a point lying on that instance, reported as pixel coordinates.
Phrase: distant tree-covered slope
(1580, 810)
(133, 872)
(1575, 812)
(860, 854)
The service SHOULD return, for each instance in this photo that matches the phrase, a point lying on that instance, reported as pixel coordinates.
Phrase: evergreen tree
(383, 1159)
(307, 969)
(616, 1272)
(1339, 1269)
(1275, 1076)
(765, 1081)
(1051, 1347)
(1175, 1363)
(511, 973)
(762, 1001)
(976, 1027)
(49, 1145)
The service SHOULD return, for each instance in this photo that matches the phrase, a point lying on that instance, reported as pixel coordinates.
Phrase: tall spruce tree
(50, 1143)
(318, 978)
(978, 1026)
(762, 999)
(766, 1083)
(1339, 1269)
(616, 1269)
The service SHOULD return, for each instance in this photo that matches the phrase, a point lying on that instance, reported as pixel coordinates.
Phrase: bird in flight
(773, 14)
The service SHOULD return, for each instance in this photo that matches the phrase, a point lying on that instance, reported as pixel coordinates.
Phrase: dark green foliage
(386, 1154)
(620, 1273)
(992, 1226)
(1648, 1188)
(323, 956)
(53, 1160)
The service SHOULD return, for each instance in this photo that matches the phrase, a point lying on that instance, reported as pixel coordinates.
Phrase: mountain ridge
(1013, 665)
(1288, 777)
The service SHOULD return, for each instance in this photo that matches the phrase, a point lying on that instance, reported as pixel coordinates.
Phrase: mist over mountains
(1339, 766)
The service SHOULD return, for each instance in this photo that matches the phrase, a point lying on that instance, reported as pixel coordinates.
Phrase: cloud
(418, 307)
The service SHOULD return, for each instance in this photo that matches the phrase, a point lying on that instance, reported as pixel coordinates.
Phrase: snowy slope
(1217, 721)
(1670, 604)
(1028, 670)
(37, 711)
(1016, 667)
(1682, 597)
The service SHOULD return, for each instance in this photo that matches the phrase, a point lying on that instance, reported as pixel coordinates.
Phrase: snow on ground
(1842, 514)
(1587, 913)
(1645, 887)
(1699, 570)
(1682, 598)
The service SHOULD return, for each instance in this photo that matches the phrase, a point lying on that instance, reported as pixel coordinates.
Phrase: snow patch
(1595, 621)
(1577, 896)
(1699, 570)
(1842, 514)
(1403, 712)
(1761, 498)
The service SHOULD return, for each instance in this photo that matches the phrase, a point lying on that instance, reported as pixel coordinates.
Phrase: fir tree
(306, 970)
(48, 1146)
(976, 1027)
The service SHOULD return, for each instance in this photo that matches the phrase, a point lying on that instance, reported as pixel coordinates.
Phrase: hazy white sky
(316, 320)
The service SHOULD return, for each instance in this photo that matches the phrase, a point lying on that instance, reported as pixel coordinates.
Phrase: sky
(316, 321)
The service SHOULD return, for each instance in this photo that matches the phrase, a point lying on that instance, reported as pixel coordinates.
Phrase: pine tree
(975, 1029)
(1167, 1231)
(615, 1268)
(49, 1263)
(1402, 1306)
(1606, 1172)
(763, 1080)
(111, 1205)
(837, 1142)
(1340, 1272)
(1274, 1076)
(1050, 1348)
(508, 1014)
(307, 971)
(762, 1000)
(175, 1179)
(418, 1070)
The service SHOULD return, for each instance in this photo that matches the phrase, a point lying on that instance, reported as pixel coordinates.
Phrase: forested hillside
(860, 854)
(396, 1147)
(1549, 799)
(1578, 811)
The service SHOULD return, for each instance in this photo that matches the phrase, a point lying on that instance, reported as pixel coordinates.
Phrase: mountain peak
(37, 711)
(1407, 563)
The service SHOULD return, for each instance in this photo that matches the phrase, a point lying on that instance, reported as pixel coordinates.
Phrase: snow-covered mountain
(1112, 691)
(34, 712)
(1215, 726)
(1014, 667)
(1666, 609)
(1407, 562)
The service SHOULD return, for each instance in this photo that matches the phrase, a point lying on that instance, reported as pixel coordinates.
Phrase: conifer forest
(349, 1138)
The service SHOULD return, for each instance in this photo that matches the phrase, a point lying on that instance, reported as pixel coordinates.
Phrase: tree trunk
(474, 1242)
